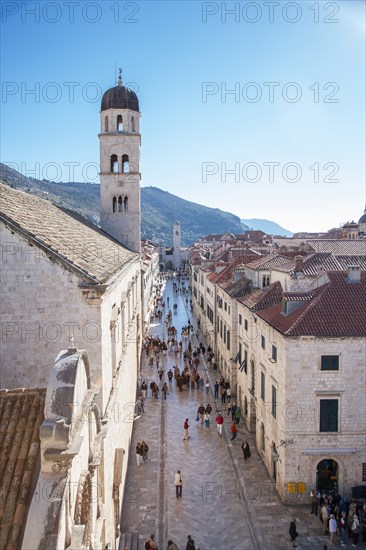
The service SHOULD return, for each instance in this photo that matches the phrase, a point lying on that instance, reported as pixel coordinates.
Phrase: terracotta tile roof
(324, 261)
(338, 309)
(227, 273)
(69, 238)
(260, 299)
(339, 247)
(238, 288)
(268, 262)
(21, 414)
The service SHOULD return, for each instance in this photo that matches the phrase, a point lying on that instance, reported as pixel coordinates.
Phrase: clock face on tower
(177, 232)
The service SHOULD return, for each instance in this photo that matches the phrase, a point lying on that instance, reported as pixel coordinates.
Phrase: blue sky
(292, 132)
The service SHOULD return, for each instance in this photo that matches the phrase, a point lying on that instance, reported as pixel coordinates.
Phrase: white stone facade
(120, 213)
(287, 369)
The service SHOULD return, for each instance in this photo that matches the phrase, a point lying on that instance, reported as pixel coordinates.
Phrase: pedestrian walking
(190, 543)
(178, 482)
(228, 394)
(344, 528)
(171, 545)
(145, 450)
(246, 450)
(314, 497)
(185, 429)
(207, 420)
(217, 387)
(219, 423)
(150, 544)
(234, 431)
(332, 528)
(201, 412)
(223, 395)
(233, 409)
(165, 390)
(138, 453)
(237, 415)
(143, 389)
(207, 386)
(293, 533)
(355, 530)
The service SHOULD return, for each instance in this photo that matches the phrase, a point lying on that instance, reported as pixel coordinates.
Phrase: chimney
(299, 264)
(354, 274)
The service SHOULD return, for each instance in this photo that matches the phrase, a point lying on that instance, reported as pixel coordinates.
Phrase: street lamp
(283, 442)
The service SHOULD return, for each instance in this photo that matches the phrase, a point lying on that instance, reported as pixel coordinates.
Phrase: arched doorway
(327, 474)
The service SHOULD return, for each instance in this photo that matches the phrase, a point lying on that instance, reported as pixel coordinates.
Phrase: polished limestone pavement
(227, 504)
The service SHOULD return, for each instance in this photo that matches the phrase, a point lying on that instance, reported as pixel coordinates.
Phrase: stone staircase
(129, 540)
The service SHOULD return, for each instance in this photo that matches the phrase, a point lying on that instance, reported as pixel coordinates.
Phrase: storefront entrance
(327, 475)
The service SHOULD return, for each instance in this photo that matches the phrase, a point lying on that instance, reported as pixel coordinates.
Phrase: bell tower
(120, 140)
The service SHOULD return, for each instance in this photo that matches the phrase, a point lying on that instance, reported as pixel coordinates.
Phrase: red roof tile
(338, 309)
(21, 414)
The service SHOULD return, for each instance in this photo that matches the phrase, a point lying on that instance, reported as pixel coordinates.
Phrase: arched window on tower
(120, 204)
(114, 204)
(125, 203)
(133, 124)
(114, 164)
(125, 164)
(106, 124)
(119, 123)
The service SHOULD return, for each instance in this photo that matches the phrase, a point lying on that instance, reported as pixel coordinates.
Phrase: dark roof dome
(120, 97)
(363, 218)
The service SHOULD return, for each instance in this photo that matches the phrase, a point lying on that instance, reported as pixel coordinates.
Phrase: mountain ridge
(160, 209)
(269, 227)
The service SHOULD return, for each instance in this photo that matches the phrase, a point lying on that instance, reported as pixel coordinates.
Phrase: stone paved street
(227, 504)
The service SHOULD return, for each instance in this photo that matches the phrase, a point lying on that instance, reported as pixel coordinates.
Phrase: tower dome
(120, 97)
(363, 218)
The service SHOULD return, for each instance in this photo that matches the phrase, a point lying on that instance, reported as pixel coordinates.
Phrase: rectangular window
(246, 361)
(210, 314)
(328, 415)
(220, 328)
(240, 319)
(329, 362)
(274, 402)
(263, 385)
(274, 353)
(228, 309)
(240, 353)
(218, 325)
(263, 342)
(225, 306)
(224, 334)
(245, 324)
(195, 292)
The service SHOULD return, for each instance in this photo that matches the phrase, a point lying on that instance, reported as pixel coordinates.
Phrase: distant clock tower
(120, 140)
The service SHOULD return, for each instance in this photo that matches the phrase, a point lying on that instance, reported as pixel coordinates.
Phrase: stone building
(174, 257)
(302, 381)
(290, 336)
(120, 140)
(68, 285)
